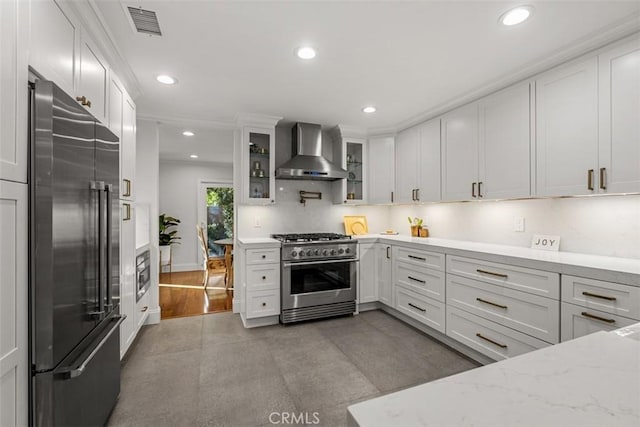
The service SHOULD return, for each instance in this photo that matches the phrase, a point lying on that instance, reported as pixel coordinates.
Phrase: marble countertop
(620, 270)
(590, 381)
(258, 241)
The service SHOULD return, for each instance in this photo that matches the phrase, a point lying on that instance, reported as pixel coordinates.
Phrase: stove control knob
(340, 251)
(346, 251)
(333, 251)
(316, 252)
(309, 252)
(294, 254)
(301, 253)
(325, 252)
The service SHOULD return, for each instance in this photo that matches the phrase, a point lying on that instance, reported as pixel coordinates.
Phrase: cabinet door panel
(116, 96)
(619, 151)
(567, 129)
(367, 289)
(504, 149)
(381, 174)
(93, 80)
(406, 165)
(429, 162)
(14, 22)
(128, 278)
(53, 44)
(128, 150)
(383, 274)
(460, 153)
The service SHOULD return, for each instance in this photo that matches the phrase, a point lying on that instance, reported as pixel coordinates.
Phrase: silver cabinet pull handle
(417, 257)
(491, 303)
(479, 335)
(589, 294)
(417, 308)
(416, 280)
(504, 276)
(127, 183)
(593, 316)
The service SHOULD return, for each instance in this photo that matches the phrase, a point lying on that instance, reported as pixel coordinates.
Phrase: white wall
(179, 184)
(146, 182)
(602, 225)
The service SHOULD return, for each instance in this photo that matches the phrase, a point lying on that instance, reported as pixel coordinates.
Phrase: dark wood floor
(182, 295)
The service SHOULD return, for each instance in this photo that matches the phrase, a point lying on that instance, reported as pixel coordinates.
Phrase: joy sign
(547, 243)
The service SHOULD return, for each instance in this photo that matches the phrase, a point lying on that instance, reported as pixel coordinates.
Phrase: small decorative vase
(424, 232)
(415, 230)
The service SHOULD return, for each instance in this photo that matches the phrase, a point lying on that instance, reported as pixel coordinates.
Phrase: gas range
(316, 246)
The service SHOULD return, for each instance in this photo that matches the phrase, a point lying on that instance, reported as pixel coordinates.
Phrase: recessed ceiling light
(369, 109)
(516, 15)
(194, 156)
(306, 52)
(188, 133)
(167, 80)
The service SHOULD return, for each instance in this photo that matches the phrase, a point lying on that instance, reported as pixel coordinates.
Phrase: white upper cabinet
(407, 143)
(93, 81)
(351, 154)
(418, 163)
(14, 35)
(460, 153)
(54, 44)
(128, 149)
(504, 144)
(381, 169)
(116, 98)
(619, 144)
(567, 129)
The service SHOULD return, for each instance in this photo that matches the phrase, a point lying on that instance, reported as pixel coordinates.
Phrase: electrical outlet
(256, 222)
(518, 224)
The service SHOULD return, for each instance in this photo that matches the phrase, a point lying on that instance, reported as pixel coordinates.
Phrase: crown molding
(621, 29)
(182, 121)
(251, 119)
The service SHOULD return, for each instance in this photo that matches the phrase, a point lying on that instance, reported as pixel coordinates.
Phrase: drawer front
(491, 339)
(263, 256)
(613, 298)
(531, 314)
(422, 280)
(579, 321)
(420, 258)
(536, 282)
(419, 307)
(263, 303)
(262, 277)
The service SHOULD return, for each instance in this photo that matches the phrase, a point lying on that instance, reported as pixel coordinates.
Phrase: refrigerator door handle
(99, 313)
(76, 372)
(108, 258)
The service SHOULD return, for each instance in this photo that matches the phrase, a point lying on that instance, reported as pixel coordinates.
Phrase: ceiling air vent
(145, 21)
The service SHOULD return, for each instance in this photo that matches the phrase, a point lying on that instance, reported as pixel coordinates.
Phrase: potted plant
(167, 237)
(416, 226)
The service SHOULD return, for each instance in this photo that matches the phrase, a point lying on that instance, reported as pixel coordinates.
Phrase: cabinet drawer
(422, 280)
(263, 256)
(263, 303)
(142, 310)
(531, 314)
(262, 277)
(621, 300)
(421, 308)
(491, 339)
(579, 321)
(523, 279)
(421, 258)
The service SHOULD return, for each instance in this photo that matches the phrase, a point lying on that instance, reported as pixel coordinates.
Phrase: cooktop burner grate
(309, 237)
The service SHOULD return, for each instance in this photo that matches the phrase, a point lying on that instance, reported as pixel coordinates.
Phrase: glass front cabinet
(257, 152)
(350, 152)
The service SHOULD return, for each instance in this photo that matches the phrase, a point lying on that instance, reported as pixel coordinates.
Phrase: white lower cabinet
(367, 286)
(13, 304)
(578, 321)
(489, 338)
(142, 311)
(263, 303)
(423, 309)
(259, 282)
(129, 327)
(384, 282)
(425, 281)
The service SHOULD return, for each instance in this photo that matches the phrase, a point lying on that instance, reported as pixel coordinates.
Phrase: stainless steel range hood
(307, 161)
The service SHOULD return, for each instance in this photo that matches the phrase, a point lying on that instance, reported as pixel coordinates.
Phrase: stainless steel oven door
(306, 284)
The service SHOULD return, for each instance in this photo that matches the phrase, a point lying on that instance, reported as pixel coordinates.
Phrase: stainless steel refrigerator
(74, 262)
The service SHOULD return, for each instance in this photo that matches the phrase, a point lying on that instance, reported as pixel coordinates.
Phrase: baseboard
(154, 316)
(368, 306)
(236, 305)
(261, 321)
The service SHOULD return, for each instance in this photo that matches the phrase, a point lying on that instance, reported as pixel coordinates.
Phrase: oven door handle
(333, 261)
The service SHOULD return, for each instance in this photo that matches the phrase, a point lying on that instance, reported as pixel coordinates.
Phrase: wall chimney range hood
(307, 161)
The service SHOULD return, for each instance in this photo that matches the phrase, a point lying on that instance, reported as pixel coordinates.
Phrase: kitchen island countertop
(590, 381)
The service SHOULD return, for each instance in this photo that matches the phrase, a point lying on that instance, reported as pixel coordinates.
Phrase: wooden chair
(204, 247)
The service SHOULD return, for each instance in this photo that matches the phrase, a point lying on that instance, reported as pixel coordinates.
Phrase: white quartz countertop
(621, 270)
(258, 241)
(590, 381)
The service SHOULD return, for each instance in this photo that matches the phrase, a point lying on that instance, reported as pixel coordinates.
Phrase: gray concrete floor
(210, 371)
